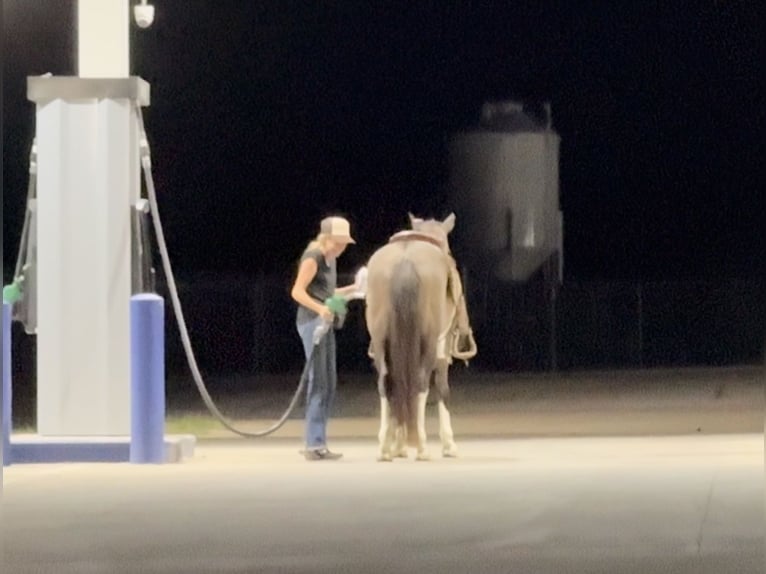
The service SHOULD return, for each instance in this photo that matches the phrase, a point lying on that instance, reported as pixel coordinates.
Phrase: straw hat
(338, 228)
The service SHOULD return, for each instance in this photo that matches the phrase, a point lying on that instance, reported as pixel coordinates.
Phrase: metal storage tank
(504, 187)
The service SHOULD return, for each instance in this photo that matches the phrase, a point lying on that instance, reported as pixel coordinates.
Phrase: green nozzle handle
(336, 304)
(12, 293)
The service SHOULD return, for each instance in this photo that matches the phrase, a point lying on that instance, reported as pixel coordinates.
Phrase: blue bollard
(7, 394)
(147, 379)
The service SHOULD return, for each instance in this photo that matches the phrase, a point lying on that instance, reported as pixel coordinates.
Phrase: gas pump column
(87, 180)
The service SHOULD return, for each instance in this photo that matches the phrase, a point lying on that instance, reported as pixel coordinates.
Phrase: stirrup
(463, 355)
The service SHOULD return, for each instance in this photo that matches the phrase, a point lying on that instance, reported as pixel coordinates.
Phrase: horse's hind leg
(428, 361)
(386, 432)
(387, 427)
(400, 441)
(422, 437)
(449, 448)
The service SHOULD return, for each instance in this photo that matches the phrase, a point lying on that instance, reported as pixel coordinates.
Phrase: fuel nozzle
(321, 331)
(13, 292)
(338, 305)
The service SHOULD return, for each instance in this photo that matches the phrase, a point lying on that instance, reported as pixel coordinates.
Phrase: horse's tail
(403, 342)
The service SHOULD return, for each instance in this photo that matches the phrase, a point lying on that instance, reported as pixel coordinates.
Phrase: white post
(88, 178)
(103, 28)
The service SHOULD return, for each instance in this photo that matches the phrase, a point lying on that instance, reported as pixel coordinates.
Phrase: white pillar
(88, 178)
(103, 28)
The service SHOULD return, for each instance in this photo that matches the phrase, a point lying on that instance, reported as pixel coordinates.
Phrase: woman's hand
(325, 313)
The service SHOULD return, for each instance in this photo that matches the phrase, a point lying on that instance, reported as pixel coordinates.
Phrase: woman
(315, 282)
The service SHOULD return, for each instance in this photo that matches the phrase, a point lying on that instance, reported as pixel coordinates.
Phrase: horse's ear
(414, 220)
(449, 223)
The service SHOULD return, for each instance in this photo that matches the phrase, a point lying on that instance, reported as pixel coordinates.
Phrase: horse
(411, 313)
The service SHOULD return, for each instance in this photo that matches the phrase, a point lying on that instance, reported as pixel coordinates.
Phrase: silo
(503, 179)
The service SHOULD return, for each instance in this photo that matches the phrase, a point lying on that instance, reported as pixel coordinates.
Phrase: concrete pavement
(661, 504)
(613, 473)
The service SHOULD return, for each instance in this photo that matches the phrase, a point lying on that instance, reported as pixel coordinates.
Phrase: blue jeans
(323, 379)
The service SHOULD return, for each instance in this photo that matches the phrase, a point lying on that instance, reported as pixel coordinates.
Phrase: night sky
(266, 115)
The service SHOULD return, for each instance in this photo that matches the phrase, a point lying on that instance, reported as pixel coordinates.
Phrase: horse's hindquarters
(406, 315)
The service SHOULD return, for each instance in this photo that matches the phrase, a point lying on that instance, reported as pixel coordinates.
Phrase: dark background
(267, 115)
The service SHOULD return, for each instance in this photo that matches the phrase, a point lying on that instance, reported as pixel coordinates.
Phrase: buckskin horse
(414, 310)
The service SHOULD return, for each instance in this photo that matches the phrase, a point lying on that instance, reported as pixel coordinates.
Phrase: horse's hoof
(384, 458)
(449, 450)
(423, 456)
(401, 454)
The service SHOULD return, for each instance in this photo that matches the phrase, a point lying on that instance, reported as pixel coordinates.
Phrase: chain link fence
(248, 324)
